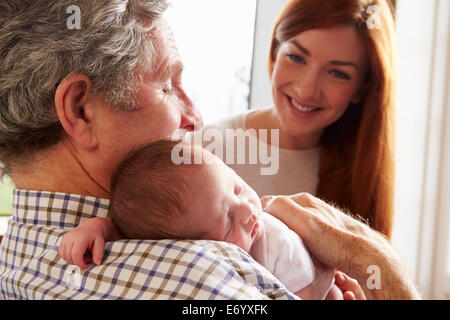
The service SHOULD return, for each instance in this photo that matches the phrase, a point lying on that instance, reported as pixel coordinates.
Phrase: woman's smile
(302, 110)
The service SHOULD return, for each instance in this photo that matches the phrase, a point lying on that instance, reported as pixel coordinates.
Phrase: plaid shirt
(31, 268)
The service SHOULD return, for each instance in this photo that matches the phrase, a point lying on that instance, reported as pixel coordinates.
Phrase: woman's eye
(295, 58)
(339, 74)
(167, 87)
(237, 189)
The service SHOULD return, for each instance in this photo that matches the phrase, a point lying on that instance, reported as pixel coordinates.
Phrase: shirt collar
(62, 210)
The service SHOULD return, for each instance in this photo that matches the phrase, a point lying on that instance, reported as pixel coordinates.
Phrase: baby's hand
(85, 243)
(349, 287)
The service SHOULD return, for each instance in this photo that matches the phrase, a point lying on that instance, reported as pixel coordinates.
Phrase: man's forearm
(385, 278)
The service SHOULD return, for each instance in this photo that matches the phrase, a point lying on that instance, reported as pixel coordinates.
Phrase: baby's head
(153, 198)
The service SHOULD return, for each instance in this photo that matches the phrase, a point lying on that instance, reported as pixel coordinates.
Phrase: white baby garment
(283, 253)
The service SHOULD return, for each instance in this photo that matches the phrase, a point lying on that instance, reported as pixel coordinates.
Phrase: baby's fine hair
(148, 191)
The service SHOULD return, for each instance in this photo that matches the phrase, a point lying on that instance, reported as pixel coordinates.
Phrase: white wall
(434, 256)
(440, 274)
(414, 23)
(216, 49)
(423, 34)
(266, 13)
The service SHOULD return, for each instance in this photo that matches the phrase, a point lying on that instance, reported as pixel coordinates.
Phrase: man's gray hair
(38, 50)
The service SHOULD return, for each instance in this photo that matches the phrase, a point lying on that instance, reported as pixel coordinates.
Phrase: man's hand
(340, 241)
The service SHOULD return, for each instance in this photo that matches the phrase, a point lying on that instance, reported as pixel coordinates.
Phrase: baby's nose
(248, 214)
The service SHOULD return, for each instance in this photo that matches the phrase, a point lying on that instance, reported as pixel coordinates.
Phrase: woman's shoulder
(237, 121)
(231, 122)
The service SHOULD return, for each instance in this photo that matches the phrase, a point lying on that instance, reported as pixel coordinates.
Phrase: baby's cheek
(241, 241)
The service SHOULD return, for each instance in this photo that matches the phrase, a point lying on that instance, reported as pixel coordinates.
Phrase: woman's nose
(308, 88)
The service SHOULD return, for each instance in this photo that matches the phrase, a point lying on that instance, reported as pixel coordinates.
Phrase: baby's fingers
(65, 252)
(97, 250)
(77, 254)
(62, 250)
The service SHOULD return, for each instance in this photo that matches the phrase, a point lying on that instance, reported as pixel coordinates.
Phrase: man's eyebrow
(178, 67)
(168, 70)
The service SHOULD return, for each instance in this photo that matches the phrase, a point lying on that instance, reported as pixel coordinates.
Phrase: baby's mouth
(255, 229)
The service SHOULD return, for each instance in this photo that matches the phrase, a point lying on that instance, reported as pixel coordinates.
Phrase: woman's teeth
(303, 108)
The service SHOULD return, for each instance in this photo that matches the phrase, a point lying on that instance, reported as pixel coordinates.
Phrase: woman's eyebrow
(344, 63)
(334, 62)
(299, 47)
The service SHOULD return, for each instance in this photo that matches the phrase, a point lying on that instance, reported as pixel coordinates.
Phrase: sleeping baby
(153, 198)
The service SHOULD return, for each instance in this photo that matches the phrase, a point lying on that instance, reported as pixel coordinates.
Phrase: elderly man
(73, 102)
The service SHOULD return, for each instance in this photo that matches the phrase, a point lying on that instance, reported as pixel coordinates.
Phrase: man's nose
(191, 119)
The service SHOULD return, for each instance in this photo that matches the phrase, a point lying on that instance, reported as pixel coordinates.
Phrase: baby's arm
(306, 293)
(88, 238)
(335, 293)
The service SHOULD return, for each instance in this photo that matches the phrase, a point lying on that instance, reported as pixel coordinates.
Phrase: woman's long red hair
(357, 151)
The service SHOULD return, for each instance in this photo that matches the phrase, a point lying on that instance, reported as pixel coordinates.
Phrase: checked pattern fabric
(31, 268)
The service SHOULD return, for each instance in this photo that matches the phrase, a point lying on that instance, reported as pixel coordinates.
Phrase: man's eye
(167, 87)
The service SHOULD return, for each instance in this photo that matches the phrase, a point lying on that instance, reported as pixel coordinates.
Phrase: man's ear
(73, 102)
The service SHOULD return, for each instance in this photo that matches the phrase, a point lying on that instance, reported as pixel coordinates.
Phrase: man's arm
(345, 243)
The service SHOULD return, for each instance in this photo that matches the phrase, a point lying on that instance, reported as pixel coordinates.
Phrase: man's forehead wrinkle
(167, 69)
(166, 36)
(168, 60)
(162, 70)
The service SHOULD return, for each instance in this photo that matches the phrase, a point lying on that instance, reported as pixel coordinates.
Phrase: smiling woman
(356, 105)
